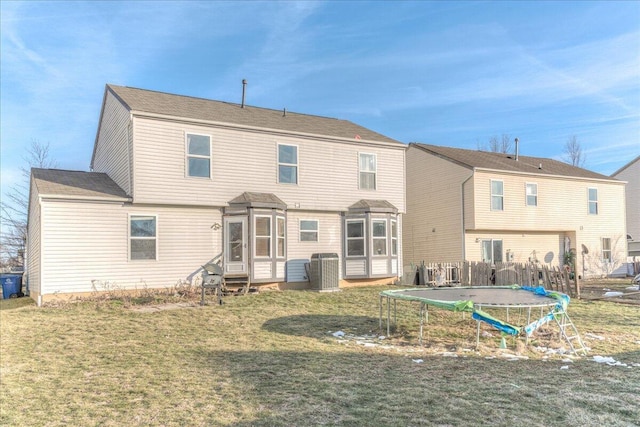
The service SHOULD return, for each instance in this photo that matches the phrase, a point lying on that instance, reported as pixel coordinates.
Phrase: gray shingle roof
(76, 184)
(365, 205)
(506, 162)
(262, 200)
(147, 101)
(625, 166)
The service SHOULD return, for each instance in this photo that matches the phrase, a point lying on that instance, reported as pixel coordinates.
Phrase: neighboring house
(631, 174)
(492, 207)
(178, 181)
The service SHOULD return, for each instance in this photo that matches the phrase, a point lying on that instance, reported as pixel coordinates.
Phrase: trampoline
(474, 299)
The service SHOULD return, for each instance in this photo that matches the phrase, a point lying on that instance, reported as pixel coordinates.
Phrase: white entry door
(235, 245)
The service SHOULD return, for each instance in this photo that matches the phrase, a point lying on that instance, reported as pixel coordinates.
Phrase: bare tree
(497, 144)
(14, 213)
(573, 152)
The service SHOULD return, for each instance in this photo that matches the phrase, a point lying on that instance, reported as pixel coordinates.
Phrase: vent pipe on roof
(284, 112)
(244, 87)
(517, 149)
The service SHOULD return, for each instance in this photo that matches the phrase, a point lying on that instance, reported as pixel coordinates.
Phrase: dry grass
(269, 360)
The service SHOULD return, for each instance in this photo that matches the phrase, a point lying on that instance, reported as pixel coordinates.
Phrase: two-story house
(631, 174)
(493, 207)
(178, 181)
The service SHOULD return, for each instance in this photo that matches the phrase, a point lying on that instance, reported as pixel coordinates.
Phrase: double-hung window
(593, 201)
(281, 237)
(355, 237)
(142, 237)
(394, 237)
(497, 195)
(262, 236)
(368, 171)
(532, 194)
(308, 230)
(287, 164)
(379, 236)
(198, 155)
(606, 249)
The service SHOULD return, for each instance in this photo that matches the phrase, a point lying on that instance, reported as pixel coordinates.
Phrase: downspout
(464, 249)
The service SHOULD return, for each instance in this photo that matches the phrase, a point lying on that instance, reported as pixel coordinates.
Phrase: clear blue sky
(444, 73)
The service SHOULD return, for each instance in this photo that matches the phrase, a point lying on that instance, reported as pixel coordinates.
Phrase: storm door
(235, 245)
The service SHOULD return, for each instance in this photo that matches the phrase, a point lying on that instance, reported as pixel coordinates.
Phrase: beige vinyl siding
(562, 203)
(112, 154)
(545, 247)
(432, 226)
(299, 253)
(89, 242)
(632, 191)
(247, 161)
(33, 242)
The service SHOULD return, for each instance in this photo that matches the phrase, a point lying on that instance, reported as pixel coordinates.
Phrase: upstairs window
(198, 156)
(308, 230)
(532, 194)
(497, 195)
(355, 238)
(593, 201)
(368, 170)
(606, 250)
(287, 164)
(142, 237)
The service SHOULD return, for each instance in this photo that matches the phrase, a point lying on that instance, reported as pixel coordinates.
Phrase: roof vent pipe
(244, 87)
(517, 149)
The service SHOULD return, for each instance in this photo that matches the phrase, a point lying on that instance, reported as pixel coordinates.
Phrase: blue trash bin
(11, 285)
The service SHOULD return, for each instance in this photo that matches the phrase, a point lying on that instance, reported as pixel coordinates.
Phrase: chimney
(244, 86)
(517, 149)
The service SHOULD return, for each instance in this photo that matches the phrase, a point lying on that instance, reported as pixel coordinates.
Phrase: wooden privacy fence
(500, 274)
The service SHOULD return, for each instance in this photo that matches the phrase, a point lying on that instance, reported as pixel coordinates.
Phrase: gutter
(464, 249)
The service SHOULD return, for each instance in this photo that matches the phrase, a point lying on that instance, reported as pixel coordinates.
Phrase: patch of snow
(594, 336)
(448, 354)
(338, 334)
(613, 294)
(417, 360)
(381, 337)
(564, 367)
(608, 360)
(567, 361)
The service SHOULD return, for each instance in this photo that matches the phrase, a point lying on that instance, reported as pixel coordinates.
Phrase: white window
(368, 170)
(593, 201)
(281, 237)
(287, 164)
(142, 237)
(492, 251)
(355, 237)
(309, 230)
(606, 249)
(394, 237)
(497, 195)
(379, 236)
(262, 236)
(532, 194)
(198, 155)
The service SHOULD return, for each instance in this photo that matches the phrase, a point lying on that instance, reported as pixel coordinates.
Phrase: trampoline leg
(477, 335)
(380, 319)
(388, 316)
(526, 340)
(421, 321)
(395, 312)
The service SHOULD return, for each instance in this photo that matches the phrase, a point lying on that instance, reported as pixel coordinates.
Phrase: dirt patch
(615, 290)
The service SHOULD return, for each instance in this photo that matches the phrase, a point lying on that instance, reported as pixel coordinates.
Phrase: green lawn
(270, 359)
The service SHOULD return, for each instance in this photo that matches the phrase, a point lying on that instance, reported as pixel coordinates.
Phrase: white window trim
(363, 238)
(197, 156)
(375, 172)
(589, 201)
(526, 195)
(255, 236)
(300, 230)
(130, 237)
(496, 195)
(297, 165)
(482, 241)
(386, 237)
